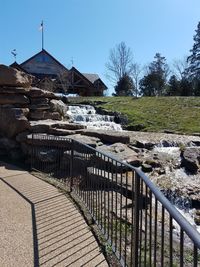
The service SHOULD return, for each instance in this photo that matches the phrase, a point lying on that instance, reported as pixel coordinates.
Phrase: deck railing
(141, 226)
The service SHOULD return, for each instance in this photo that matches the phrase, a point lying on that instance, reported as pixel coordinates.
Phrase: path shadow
(60, 235)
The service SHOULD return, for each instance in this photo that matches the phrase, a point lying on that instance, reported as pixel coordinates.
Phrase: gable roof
(91, 77)
(82, 75)
(17, 66)
(43, 51)
(94, 78)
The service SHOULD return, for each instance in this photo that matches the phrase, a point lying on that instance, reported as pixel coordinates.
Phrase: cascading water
(86, 115)
(182, 203)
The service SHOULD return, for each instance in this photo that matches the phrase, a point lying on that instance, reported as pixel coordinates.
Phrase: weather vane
(14, 53)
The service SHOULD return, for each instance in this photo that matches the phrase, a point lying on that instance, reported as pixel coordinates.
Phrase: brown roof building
(50, 74)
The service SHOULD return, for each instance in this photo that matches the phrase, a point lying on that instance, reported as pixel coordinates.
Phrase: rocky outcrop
(88, 140)
(121, 152)
(13, 121)
(191, 159)
(109, 137)
(59, 106)
(13, 77)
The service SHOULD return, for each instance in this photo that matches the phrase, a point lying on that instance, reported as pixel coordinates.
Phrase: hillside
(154, 114)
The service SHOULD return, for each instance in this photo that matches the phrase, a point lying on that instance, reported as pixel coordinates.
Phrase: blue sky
(87, 29)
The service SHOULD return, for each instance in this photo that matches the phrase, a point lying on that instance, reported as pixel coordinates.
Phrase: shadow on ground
(60, 235)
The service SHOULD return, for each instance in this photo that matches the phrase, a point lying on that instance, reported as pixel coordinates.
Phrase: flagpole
(42, 35)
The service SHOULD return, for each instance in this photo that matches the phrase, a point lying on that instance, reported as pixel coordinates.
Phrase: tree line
(156, 79)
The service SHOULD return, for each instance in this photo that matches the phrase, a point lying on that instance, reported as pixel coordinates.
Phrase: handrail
(177, 216)
(100, 180)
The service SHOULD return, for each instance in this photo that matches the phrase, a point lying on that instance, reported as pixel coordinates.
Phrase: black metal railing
(141, 226)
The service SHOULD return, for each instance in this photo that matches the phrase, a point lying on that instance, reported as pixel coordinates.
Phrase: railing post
(71, 164)
(137, 205)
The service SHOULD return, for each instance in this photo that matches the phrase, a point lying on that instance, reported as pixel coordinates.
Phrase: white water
(189, 216)
(179, 176)
(86, 115)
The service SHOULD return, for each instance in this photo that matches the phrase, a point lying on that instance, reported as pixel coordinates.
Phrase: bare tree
(120, 62)
(64, 80)
(179, 66)
(136, 75)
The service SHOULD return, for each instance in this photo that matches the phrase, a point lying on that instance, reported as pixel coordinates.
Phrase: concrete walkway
(39, 226)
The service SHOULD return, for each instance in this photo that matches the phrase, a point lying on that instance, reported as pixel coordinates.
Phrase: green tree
(154, 82)
(193, 69)
(173, 87)
(125, 86)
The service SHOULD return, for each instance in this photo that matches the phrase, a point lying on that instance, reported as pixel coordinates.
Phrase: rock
(144, 144)
(59, 106)
(40, 126)
(197, 220)
(44, 115)
(146, 167)
(91, 141)
(191, 159)
(153, 163)
(13, 99)
(39, 93)
(39, 101)
(26, 149)
(8, 144)
(137, 150)
(68, 126)
(13, 90)
(109, 136)
(61, 132)
(161, 171)
(43, 126)
(22, 137)
(39, 107)
(13, 77)
(13, 121)
(121, 152)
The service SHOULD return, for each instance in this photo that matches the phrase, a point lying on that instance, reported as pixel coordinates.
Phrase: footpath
(40, 226)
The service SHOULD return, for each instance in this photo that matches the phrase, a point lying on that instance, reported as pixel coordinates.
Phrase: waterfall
(86, 115)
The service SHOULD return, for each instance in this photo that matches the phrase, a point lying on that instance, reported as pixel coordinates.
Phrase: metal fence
(141, 226)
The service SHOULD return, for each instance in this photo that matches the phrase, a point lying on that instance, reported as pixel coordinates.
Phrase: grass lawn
(155, 114)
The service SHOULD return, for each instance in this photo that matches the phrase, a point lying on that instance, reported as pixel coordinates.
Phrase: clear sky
(86, 30)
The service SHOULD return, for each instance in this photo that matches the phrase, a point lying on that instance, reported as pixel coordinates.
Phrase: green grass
(154, 114)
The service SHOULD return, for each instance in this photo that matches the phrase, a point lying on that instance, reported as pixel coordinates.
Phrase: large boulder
(121, 152)
(13, 77)
(58, 106)
(13, 121)
(191, 159)
(88, 140)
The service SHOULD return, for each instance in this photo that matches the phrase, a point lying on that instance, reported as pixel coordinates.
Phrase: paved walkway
(39, 226)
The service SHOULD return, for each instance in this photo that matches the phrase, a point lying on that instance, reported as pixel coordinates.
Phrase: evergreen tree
(193, 69)
(186, 87)
(174, 87)
(125, 86)
(154, 83)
